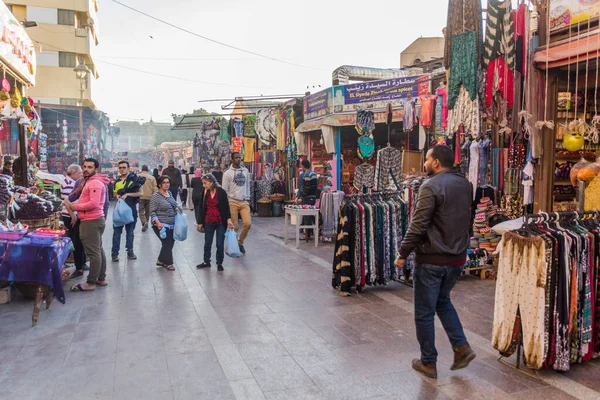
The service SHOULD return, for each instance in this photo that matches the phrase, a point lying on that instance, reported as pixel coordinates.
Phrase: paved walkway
(268, 327)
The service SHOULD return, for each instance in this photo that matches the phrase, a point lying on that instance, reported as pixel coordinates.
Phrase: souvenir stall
(31, 251)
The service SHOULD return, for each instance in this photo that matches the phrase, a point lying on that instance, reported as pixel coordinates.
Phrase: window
(68, 102)
(68, 60)
(66, 17)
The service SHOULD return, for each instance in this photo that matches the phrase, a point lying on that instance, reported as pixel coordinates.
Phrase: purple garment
(74, 196)
(23, 261)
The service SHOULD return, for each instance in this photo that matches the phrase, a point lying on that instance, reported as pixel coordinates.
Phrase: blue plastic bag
(180, 229)
(232, 248)
(123, 214)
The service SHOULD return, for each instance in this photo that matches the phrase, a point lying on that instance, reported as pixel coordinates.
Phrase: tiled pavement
(269, 327)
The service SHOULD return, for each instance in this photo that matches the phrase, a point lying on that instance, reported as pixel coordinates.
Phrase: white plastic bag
(180, 229)
(232, 248)
(123, 214)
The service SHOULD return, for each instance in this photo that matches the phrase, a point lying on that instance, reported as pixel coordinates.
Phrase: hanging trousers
(521, 286)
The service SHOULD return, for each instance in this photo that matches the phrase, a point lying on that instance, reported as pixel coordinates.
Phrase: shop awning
(346, 119)
(570, 52)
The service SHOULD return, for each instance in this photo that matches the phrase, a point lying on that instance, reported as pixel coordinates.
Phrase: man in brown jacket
(148, 190)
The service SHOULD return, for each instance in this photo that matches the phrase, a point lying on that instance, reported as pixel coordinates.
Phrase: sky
(316, 35)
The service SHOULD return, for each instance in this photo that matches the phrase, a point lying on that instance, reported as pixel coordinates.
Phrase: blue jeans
(432, 285)
(174, 192)
(117, 232)
(210, 230)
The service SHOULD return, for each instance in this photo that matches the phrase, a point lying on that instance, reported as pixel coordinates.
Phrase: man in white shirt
(236, 182)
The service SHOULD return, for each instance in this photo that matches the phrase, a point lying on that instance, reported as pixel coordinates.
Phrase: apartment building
(66, 35)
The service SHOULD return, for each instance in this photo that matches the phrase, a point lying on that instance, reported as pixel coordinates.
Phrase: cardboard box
(5, 295)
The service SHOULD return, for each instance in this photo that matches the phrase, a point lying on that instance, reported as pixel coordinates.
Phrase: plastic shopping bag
(232, 248)
(180, 230)
(123, 214)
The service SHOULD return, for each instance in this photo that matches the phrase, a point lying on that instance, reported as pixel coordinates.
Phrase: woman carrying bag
(213, 216)
(163, 209)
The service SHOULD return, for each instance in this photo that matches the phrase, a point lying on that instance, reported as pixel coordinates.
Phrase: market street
(269, 326)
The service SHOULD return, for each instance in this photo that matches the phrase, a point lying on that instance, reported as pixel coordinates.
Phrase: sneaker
(131, 255)
(76, 274)
(144, 227)
(203, 265)
(463, 355)
(115, 257)
(220, 268)
(242, 249)
(429, 370)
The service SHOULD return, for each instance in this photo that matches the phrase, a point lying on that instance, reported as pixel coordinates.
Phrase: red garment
(213, 216)
(427, 106)
(499, 78)
(236, 143)
(443, 93)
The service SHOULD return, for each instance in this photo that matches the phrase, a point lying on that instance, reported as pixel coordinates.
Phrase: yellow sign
(565, 13)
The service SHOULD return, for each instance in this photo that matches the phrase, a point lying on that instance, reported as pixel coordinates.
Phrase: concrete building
(134, 135)
(421, 50)
(65, 36)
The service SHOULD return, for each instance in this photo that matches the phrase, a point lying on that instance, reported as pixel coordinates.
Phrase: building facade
(421, 50)
(65, 36)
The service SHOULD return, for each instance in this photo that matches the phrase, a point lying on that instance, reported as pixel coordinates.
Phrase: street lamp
(81, 72)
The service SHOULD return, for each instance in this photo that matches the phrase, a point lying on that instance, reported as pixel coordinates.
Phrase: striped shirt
(163, 208)
(65, 190)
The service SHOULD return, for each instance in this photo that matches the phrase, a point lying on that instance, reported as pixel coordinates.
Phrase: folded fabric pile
(483, 237)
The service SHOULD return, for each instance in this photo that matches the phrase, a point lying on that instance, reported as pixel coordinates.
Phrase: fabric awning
(559, 55)
(346, 120)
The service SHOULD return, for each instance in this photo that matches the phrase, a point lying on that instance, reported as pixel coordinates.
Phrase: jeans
(240, 209)
(117, 232)
(210, 230)
(174, 192)
(432, 286)
(91, 237)
(166, 251)
(144, 211)
(78, 252)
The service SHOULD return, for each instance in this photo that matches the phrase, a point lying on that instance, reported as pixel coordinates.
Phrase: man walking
(174, 175)
(71, 221)
(148, 190)
(129, 189)
(90, 210)
(307, 191)
(236, 182)
(439, 234)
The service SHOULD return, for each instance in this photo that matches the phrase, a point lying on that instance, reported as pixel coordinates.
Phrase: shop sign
(564, 13)
(318, 104)
(16, 48)
(378, 94)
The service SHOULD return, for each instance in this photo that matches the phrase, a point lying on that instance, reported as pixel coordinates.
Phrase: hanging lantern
(573, 141)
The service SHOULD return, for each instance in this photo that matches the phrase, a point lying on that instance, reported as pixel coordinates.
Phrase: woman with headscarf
(196, 187)
(213, 216)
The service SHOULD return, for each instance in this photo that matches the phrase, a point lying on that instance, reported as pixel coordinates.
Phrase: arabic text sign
(564, 13)
(318, 104)
(377, 93)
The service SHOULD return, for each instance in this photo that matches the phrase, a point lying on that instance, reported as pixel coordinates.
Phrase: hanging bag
(123, 214)
(180, 229)
(232, 248)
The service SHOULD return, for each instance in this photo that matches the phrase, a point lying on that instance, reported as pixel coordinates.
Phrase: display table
(298, 214)
(39, 266)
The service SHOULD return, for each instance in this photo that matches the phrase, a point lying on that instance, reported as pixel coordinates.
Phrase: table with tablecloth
(25, 262)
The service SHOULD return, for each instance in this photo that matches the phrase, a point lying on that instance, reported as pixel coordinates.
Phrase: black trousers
(73, 232)
(166, 251)
(184, 196)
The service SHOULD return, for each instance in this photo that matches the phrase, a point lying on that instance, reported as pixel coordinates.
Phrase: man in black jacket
(439, 235)
(129, 189)
(174, 175)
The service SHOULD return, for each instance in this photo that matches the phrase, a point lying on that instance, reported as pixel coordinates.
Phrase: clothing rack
(542, 217)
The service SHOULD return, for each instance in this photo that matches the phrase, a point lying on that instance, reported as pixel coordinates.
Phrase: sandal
(160, 264)
(170, 267)
(101, 283)
(79, 288)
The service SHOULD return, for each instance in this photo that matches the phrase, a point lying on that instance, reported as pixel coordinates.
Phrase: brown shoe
(463, 355)
(428, 370)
